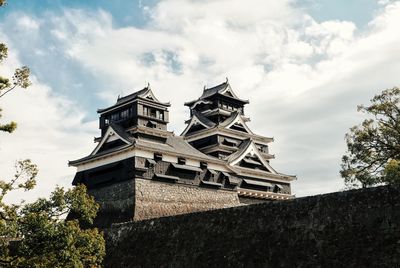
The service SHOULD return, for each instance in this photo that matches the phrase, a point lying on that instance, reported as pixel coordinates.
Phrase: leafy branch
(374, 145)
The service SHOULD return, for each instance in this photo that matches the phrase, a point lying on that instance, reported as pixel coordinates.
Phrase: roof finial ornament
(204, 88)
(148, 84)
(227, 80)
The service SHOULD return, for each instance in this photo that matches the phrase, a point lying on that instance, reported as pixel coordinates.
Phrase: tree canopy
(37, 234)
(373, 155)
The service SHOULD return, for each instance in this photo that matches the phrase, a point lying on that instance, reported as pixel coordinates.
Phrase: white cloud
(50, 130)
(303, 78)
(28, 23)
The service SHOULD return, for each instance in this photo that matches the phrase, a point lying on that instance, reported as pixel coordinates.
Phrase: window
(203, 165)
(115, 117)
(161, 115)
(181, 161)
(106, 121)
(125, 114)
(151, 124)
(152, 112)
(157, 157)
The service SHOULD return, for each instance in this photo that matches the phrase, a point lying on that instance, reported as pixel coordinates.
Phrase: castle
(140, 170)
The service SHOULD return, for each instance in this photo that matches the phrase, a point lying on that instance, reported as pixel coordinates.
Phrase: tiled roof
(243, 146)
(173, 144)
(130, 97)
(230, 119)
(208, 92)
(204, 119)
(121, 132)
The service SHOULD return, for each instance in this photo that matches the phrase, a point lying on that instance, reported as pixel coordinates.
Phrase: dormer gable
(149, 95)
(114, 137)
(248, 156)
(197, 122)
(237, 122)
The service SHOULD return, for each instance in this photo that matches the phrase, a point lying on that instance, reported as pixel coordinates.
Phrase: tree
(37, 234)
(19, 79)
(373, 155)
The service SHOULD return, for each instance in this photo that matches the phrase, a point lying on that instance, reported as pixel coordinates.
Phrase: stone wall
(347, 229)
(157, 199)
(139, 199)
(117, 203)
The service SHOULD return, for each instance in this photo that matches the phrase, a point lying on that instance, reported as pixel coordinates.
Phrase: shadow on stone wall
(359, 228)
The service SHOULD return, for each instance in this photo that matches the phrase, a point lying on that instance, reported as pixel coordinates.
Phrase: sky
(304, 66)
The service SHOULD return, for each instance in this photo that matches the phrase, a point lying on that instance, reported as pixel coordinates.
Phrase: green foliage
(19, 79)
(10, 127)
(3, 52)
(36, 234)
(392, 172)
(374, 146)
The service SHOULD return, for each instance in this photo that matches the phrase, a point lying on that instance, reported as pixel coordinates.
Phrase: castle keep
(140, 170)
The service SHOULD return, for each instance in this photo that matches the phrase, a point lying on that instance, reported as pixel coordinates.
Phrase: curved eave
(88, 159)
(200, 102)
(91, 158)
(247, 172)
(228, 132)
(190, 103)
(232, 98)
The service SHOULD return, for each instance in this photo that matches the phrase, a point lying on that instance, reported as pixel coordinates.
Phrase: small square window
(181, 161)
(157, 157)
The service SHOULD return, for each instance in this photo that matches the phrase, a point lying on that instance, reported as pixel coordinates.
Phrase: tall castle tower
(140, 170)
(217, 127)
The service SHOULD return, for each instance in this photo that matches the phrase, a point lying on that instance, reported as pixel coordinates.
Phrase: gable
(195, 124)
(237, 123)
(238, 127)
(228, 93)
(148, 94)
(110, 140)
(195, 127)
(252, 162)
(250, 157)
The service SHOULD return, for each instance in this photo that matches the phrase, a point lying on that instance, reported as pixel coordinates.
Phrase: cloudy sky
(304, 66)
